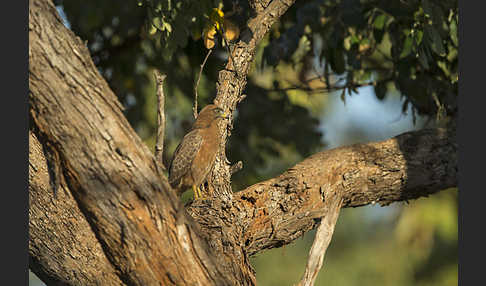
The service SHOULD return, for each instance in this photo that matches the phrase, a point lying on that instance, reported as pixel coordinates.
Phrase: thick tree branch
(412, 165)
(231, 84)
(277, 211)
(133, 212)
(62, 247)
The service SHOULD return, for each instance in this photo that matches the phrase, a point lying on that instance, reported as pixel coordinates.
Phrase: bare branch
(194, 109)
(236, 167)
(322, 239)
(159, 145)
(330, 88)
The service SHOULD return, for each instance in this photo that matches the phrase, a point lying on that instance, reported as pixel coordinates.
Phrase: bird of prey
(196, 153)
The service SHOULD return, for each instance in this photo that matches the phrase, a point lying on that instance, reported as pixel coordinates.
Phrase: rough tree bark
(56, 228)
(100, 213)
(139, 221)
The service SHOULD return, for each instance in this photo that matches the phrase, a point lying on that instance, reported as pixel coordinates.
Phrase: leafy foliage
(171, 23)
(412, 44)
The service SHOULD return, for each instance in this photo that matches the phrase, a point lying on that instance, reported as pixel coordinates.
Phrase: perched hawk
(196, 153)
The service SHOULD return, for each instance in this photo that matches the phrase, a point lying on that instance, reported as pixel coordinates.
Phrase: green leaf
(347, 43)
(452, 53)
(379, 22)
(166, 26)
(157, 22)
(423, 58)
(354, 39)
(407, 47)
(418, 37)
(444, 67)
(453, 32)
(435, 41)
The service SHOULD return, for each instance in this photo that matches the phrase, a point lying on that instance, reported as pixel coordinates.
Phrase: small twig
(241, 97)
(321, 242)
(236, 167)
(159, 145)
(332, 88)
(441, 112)
(325, 89)
(194, 109)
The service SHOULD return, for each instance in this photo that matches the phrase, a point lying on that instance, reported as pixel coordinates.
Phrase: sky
(364, 118)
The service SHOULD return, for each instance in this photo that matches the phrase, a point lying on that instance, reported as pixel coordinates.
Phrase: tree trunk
(101, 214)
(137, 218)
(56, 228)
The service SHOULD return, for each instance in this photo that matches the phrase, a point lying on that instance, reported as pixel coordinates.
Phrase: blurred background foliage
(329, 73)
